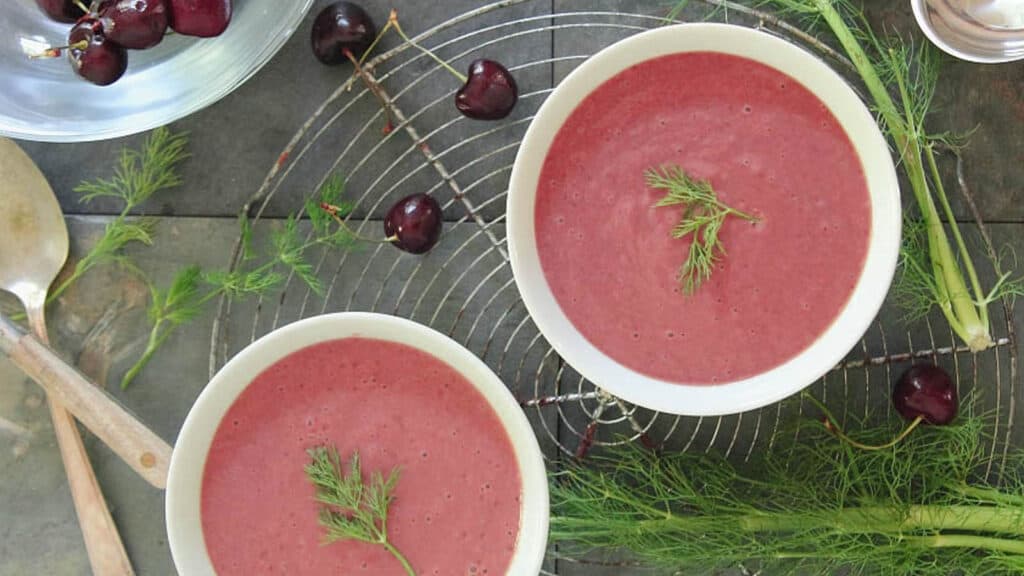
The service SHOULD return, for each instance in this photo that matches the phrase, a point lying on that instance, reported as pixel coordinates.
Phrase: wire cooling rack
(465, 286)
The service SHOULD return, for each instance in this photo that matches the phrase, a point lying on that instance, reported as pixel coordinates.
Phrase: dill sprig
(813, 505)
(353, 507)
(287, 253)
(702, 218)
(139, 175)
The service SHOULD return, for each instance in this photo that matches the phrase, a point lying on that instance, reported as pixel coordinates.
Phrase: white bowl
(184, 526)
(45, 100)
(760, 389)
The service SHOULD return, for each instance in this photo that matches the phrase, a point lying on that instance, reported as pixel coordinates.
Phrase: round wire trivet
(465, 288)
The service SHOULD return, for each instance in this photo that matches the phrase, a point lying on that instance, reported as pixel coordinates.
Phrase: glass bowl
(43, 99)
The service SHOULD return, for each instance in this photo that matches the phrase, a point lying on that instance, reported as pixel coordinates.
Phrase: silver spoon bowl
(984, 31)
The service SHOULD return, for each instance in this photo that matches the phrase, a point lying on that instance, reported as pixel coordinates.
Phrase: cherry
(414, 223)
(93, 56)
(135, 24)
(202, 18)
(924, 394)
(63, 10)
(490, 91)
(926, 391)
(339, 27)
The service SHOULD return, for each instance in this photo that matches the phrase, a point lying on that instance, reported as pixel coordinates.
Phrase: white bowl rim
(184, 528)
(823, 354)
(238, 76)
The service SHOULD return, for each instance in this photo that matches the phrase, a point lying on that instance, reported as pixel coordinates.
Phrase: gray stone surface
(463, 288)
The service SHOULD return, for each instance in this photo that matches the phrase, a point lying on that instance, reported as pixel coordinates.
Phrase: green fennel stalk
(911, 75)
(813, 505)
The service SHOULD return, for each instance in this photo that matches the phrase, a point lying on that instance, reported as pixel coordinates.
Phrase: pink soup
(769, 147)
(457, 504)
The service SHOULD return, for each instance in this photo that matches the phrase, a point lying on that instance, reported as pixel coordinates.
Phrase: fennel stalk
(808, 506)
(902, 92)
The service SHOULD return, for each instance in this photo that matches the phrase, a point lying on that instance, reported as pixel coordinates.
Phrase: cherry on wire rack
(923, 394)
(339, 27)
(414, 223)
(343, 30)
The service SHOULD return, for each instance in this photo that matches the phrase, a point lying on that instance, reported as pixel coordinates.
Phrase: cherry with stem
(923, 394)
(488, 92)
(413, 224)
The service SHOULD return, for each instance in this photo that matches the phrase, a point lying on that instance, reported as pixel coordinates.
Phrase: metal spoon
(33, 248)
(986, 31)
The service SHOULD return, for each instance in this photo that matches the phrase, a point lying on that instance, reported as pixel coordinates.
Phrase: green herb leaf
(240, 284)
(808, 506)
(290, 249)
(353, 507)
(702, 218)
(185, 299)
(327, 212)
(141, 173)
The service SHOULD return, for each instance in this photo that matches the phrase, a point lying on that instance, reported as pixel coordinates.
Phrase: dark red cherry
(927, 391)
(203, 18)
(93, 56)
(135, 24)
(342, 26)
(490, 92)
(414, 223)
(61, 10)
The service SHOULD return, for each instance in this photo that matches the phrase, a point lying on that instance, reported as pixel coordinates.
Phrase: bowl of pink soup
(472, 491)
(779, 136)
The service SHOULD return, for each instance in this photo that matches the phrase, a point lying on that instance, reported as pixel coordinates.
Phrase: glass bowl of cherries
(81, 70)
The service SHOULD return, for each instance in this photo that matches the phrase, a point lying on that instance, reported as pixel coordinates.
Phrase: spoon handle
(136, 444)
(102, 540)
(103, 544)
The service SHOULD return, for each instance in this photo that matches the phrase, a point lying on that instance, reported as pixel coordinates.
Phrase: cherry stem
(81, 6)
(369, 49)
(374, 88)
(834, 428)
(829, 422)
(334, 212)
(393, 22)
(56, 52)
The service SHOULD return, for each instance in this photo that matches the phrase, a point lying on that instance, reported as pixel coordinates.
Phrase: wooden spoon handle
(136, 444)
(107, 555)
